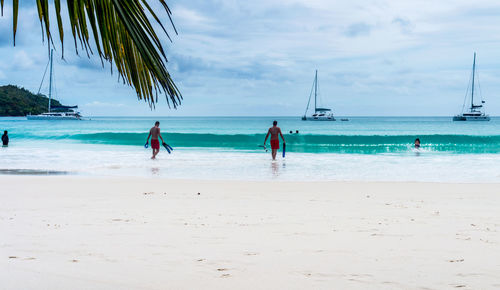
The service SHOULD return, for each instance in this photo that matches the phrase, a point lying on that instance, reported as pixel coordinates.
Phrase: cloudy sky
(232, 58)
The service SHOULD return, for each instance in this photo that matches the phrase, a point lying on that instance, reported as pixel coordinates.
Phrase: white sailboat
(320, 114)
(56, 112)
(474, 112)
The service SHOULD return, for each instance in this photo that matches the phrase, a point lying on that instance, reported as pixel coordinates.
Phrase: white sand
(91, 233)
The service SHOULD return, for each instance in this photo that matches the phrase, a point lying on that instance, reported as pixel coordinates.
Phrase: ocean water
(364, 148)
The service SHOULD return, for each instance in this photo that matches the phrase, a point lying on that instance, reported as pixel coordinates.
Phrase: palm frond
(122, 35)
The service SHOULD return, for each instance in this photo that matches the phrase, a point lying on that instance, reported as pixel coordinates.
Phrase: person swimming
(417, 143)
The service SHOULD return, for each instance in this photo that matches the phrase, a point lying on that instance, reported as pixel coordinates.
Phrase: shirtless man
(154, 133)
(275, 132)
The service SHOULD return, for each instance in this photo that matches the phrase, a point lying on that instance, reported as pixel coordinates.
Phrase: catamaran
(320, 114)
(55, 112)
(474, 112)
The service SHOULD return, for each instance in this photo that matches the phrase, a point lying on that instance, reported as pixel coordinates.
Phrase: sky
(258, 58)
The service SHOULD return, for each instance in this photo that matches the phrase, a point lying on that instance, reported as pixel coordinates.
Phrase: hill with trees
(17, 101)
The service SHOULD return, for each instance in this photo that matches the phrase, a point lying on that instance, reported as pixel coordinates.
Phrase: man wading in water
(154, 133)
(275, 132)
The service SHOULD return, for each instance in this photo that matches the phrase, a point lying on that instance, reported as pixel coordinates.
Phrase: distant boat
(474, 112)
(320, 114)
(56, 112)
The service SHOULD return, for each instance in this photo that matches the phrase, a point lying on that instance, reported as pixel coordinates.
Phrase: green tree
(16, 101)
(122, 35)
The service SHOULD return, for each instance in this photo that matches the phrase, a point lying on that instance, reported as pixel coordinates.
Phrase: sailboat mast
(315, 90)
(473, 75)
(50, 82)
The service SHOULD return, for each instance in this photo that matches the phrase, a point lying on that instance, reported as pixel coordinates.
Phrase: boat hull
(51, 118)
(471, 118)
(318, 119)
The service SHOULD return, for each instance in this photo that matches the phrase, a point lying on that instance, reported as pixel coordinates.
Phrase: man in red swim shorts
(275, 132)
(154, 133)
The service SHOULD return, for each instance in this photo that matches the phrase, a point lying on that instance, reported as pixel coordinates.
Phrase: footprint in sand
(223, 275)
(74, 261)
(12, 257)
(456, 261)
(251, 254)
(120, 220)
(147, 193)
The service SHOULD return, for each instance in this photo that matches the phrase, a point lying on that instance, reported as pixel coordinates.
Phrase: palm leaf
(122, 34)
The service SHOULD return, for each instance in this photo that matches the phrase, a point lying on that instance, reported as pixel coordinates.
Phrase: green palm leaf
(122, 35)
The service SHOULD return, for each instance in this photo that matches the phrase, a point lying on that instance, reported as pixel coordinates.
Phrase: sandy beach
(63, 232)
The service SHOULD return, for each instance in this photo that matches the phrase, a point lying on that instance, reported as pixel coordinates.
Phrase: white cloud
(191, 17)
(22, 60)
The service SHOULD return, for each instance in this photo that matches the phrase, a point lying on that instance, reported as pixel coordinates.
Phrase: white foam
(206, 163)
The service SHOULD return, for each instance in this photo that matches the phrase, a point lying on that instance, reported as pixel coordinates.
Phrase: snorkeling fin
(146, 145)
(166, 147)
(284, 147)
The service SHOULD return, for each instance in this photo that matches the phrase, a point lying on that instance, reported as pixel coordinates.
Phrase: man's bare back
(155, 132)
(274, 132)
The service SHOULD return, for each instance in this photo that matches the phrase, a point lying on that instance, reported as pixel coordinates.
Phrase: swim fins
(284, 147)
(166, 147)
(146, 145)
(171, 149)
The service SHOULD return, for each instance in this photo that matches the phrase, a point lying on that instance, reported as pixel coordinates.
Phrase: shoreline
(152, 233)
(42, 173)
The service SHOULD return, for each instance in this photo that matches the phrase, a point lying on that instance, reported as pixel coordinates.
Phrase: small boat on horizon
(474, 112)
(320, 114)
(55, 112)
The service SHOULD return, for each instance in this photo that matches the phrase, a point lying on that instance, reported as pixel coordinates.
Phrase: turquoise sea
(363, 148)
